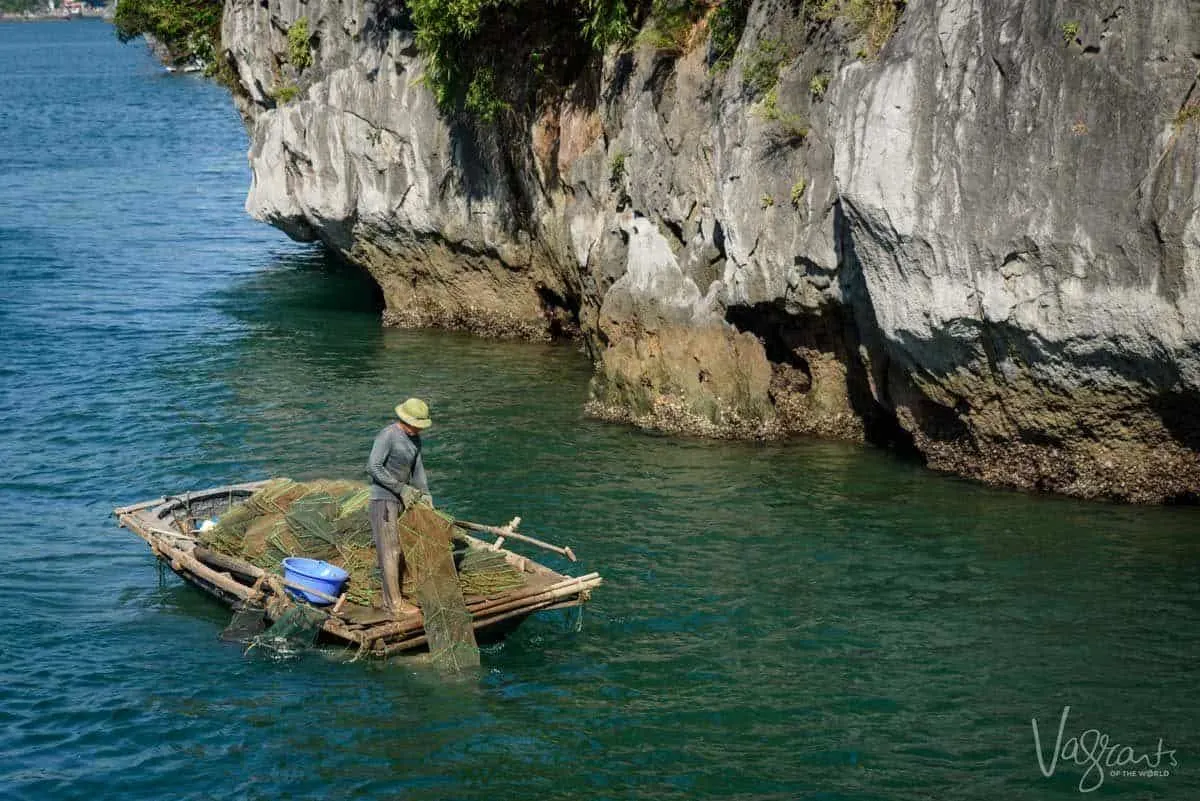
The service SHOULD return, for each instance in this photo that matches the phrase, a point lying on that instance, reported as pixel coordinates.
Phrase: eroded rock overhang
(983, 243)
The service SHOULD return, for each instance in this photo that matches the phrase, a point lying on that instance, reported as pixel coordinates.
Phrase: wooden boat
(167, 525)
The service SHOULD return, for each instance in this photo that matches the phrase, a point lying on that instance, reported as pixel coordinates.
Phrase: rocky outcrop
(983, 243)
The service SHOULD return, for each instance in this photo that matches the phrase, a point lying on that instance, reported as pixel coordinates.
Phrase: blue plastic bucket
(313, 574)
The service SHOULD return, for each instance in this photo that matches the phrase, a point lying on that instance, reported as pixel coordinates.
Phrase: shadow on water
(306, 291)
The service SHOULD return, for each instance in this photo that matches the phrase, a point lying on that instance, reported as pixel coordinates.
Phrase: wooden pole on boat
(137, 507)
(568, 586)
(555, 591)
(165, 544)
(509, 532)
(226, 582)
(232, 564)
(541, 604)
(422, 639)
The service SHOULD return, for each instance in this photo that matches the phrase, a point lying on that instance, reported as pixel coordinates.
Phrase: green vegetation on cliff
(300, 44)
(1189, 113)
(21, 6)
(725, 27)
(874, 19)
(285, 93)
(491, 57)
(467, 43)
(534, 44)
(672, 24)
(189, 29)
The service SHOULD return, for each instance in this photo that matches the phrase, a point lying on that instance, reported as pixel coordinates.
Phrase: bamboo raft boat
(167, 526)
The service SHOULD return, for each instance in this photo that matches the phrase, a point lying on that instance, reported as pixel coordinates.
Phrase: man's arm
(418, 478)
(375, 463)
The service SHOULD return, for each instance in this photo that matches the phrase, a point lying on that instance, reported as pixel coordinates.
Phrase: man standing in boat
(397, 480)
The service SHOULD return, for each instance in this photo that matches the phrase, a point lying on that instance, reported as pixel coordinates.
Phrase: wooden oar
(508, 532)
(137, 507)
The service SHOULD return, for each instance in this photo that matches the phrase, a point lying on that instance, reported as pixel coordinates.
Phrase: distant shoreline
(40, 18)
(98, 13)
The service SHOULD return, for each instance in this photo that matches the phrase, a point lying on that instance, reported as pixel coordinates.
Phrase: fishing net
(249, 620)
(425, 539)
(328, 520)
(485, 572)
(296, 630)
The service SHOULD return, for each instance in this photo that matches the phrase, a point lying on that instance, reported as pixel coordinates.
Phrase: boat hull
(166, 524)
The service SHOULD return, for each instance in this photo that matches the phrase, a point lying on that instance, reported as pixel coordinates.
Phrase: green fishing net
(328, 520)
(249, 620)
(296, 630)
(482, 571)
(324, 520)
(425, 539)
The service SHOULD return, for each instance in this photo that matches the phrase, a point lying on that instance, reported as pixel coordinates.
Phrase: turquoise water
(802, 620)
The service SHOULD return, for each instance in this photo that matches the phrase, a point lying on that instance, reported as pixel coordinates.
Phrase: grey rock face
(1022, 212)
(986, 241)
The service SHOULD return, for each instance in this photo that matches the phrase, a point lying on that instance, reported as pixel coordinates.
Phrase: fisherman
(397, 481)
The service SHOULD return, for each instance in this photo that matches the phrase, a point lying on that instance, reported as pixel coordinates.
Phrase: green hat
(415, 412)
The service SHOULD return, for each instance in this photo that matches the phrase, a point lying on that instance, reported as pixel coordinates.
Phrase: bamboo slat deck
(166, 525)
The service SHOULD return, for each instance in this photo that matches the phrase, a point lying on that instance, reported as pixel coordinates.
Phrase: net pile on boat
(485, 572)
(328, 520)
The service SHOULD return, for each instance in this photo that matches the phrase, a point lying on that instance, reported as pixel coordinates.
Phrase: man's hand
(410, 495)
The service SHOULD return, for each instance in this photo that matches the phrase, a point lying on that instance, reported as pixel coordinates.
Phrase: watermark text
(1100, 756)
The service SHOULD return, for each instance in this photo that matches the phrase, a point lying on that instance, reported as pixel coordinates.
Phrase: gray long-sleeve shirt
(395, 461)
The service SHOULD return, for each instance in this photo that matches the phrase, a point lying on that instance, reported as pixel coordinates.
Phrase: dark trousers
(384, 516)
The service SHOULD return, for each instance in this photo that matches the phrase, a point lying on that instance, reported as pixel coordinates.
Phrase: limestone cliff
(983, 242)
